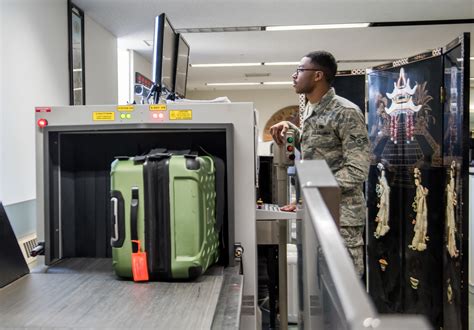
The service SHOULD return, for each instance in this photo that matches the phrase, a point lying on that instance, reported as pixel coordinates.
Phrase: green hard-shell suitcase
(168, 202)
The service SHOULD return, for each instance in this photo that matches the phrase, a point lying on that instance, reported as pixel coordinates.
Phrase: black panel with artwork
(405, 121)
(455, 159)
(417, 225)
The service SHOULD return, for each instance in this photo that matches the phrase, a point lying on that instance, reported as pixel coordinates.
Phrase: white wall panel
(34, 72)
(100, 64)
(2, 136)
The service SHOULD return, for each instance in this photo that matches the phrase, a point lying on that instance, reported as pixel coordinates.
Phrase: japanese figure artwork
(383, 193)
(421, 222)
(402, 103)
(451, 202)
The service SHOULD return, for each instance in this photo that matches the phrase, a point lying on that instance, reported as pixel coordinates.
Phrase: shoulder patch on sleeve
(359, 140)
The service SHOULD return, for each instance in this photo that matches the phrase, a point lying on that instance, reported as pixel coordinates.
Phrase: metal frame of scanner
(236, 119)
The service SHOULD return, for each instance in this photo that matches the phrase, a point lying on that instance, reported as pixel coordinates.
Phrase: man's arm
(297, 135)
(352, 131)
(278, 132)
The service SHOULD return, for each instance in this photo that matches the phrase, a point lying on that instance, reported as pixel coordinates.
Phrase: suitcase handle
(117, 213)
(115, 234)
(134, 217)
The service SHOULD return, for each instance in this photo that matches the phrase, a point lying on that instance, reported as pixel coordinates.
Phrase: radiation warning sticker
(125, 107)
(157, 107)
(102, 115)
(181, 114)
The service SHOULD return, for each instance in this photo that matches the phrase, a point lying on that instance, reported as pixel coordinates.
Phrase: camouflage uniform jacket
(334, 130)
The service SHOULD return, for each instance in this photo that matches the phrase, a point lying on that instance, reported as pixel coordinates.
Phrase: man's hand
(278, 131)
(288, 208)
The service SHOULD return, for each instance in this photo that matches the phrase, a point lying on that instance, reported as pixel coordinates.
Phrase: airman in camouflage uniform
(333, 130)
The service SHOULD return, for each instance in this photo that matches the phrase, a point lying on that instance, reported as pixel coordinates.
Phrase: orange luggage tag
(139, 264)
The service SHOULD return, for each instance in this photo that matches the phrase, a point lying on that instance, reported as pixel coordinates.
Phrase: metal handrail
(319, 189)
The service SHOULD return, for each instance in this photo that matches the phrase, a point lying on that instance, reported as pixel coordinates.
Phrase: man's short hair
(326, 62)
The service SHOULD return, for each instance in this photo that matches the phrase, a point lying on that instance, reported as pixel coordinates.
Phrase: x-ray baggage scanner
(75, 146)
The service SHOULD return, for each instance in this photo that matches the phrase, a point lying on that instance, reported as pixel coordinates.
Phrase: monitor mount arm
(155, 91)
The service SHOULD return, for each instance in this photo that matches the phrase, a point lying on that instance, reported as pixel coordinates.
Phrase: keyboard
(269, 207)
(271, 212)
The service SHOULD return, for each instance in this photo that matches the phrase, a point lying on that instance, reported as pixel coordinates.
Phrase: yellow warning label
(158, 107)
(103, 116)
(181, 114)
(125, 107)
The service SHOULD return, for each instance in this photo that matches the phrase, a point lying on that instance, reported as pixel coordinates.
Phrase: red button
(42, 122)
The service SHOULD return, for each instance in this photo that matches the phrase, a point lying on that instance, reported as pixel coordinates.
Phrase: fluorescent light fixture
(471, 79)
(234, 84)
(281, 63)
(251, 83)
(277, 83)
(316, 27)
(216, 65)
(471, 58)
(221, 29)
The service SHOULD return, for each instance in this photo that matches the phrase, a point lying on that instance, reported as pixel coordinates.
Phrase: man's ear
(318, 75)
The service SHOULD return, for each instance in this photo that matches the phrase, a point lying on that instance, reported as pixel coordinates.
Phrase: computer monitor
(182, 61)
(164, 55)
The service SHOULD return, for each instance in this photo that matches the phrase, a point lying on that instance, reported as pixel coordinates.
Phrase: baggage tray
(85, 293)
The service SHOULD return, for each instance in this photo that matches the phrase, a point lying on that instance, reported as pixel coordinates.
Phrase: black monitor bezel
(158, 49)
(181, 38)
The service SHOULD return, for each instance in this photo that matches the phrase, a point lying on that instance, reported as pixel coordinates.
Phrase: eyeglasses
(299, 70)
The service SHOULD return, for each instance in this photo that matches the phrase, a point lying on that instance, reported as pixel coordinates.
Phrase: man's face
(306, 76)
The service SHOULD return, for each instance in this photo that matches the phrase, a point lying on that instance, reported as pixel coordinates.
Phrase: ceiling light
(234, 84)
(277, 83)
(221, 29)
(316, 27)
(254, 74)
(216, 65)
(367, 60)
(251, 83)
(281, 63)
(471, 58)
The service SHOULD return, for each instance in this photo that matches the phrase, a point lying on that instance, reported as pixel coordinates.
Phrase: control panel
(289, 148)
(119, 114)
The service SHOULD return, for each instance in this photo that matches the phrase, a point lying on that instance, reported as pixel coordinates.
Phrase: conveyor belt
(83, 293)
